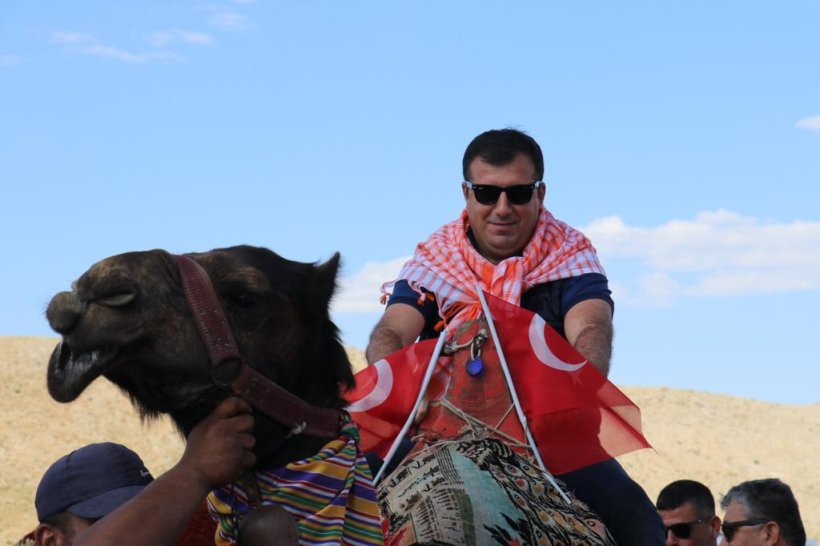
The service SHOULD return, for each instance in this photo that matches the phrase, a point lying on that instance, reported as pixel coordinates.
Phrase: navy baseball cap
(91, 482)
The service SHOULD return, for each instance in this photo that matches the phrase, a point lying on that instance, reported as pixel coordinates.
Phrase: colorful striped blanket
(330, 495)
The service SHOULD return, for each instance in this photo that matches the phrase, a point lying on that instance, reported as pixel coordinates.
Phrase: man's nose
(503, 206)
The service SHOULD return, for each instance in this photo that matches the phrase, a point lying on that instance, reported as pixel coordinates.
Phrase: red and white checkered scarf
(448, 265)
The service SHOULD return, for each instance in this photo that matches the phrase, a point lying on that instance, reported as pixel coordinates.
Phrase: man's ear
(47, 535)
(771, 533)
(714, 527)
(542, 192)
(464, 191)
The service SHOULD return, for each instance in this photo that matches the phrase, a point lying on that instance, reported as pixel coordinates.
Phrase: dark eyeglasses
(729, 528)
(488, 195)
(683, 530)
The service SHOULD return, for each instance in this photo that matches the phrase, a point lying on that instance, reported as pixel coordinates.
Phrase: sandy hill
(719, 440)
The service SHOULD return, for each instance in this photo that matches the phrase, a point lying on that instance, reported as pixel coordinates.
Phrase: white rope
(475, 424)
(519, 411)
(425, 382)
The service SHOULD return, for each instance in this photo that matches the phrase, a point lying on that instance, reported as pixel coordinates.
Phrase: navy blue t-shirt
(550, 300)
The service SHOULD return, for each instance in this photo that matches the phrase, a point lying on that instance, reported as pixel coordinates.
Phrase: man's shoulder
(561, 294)
(404, 293)
(584, 280)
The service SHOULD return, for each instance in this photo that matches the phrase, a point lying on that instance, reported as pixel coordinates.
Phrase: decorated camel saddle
(472, 477)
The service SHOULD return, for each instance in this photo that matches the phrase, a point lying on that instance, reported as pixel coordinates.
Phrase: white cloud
(85, 44)
(190, 37)
(66, 38)
(360, 292)
(811, 123)
(718, 253)
(108, 52)
(658, 288)
(166, 37)
(229, 20)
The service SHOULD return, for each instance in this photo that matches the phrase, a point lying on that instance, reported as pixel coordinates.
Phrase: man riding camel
(509, 244)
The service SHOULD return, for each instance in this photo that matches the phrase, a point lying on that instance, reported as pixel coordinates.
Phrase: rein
(229, 371)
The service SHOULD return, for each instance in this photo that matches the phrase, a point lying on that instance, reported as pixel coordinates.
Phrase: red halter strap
(229, 370)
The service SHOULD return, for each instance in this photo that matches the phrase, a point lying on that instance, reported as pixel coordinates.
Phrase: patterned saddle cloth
(471, 479)
(480, 492)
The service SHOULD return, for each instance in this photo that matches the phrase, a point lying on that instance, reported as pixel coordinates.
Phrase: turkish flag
(385, 394)
(577, 417)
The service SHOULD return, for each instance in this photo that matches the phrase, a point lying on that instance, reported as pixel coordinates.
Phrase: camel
(128, 319)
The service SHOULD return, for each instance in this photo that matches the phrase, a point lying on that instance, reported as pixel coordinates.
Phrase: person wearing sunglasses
(509, 243)
(762, 512)
(687, 509)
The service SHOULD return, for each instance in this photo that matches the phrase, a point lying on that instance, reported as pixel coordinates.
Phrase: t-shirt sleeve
(585, 287)
(402, 293)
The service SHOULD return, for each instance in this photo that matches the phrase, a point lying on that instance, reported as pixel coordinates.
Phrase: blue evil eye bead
(475, 366)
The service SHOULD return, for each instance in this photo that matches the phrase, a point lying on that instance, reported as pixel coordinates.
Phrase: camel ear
(325, 284)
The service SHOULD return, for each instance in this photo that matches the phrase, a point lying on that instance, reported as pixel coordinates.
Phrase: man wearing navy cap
(84, 486)
(108, 482)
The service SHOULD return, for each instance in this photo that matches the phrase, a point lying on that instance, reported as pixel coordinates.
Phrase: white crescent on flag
(543, 351)
(380, 392)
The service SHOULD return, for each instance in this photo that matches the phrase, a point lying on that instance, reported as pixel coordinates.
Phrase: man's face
(700, 534)
(747, 535)
(502, 229)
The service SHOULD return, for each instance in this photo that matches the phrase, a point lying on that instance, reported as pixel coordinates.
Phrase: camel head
(127, 319)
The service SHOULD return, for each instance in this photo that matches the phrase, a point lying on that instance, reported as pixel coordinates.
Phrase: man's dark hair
(680, 492)
(500, 147)
(772, 500)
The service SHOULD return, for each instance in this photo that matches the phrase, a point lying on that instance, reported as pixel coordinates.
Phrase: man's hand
(219, 448)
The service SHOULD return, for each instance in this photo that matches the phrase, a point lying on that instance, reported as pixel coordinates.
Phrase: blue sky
(683, 138)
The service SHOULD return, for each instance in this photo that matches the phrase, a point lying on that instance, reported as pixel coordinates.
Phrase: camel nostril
(64, 312)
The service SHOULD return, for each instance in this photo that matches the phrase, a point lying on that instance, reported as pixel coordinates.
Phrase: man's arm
(588, 327)
(217, 451)
(400, 326)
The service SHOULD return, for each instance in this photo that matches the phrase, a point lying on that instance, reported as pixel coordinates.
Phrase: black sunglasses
(683, 530)
(729, 528)
(488, 195)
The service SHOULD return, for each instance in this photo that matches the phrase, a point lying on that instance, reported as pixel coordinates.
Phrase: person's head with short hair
(762, 512)
(503, 190)
(687, 509)
(82, 487)
(499, 147)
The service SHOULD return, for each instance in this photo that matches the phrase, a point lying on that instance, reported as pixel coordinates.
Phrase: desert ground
(718, 440)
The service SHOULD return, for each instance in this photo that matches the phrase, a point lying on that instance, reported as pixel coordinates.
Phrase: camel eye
(243, 298)
(117, 300)
(244, 287)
